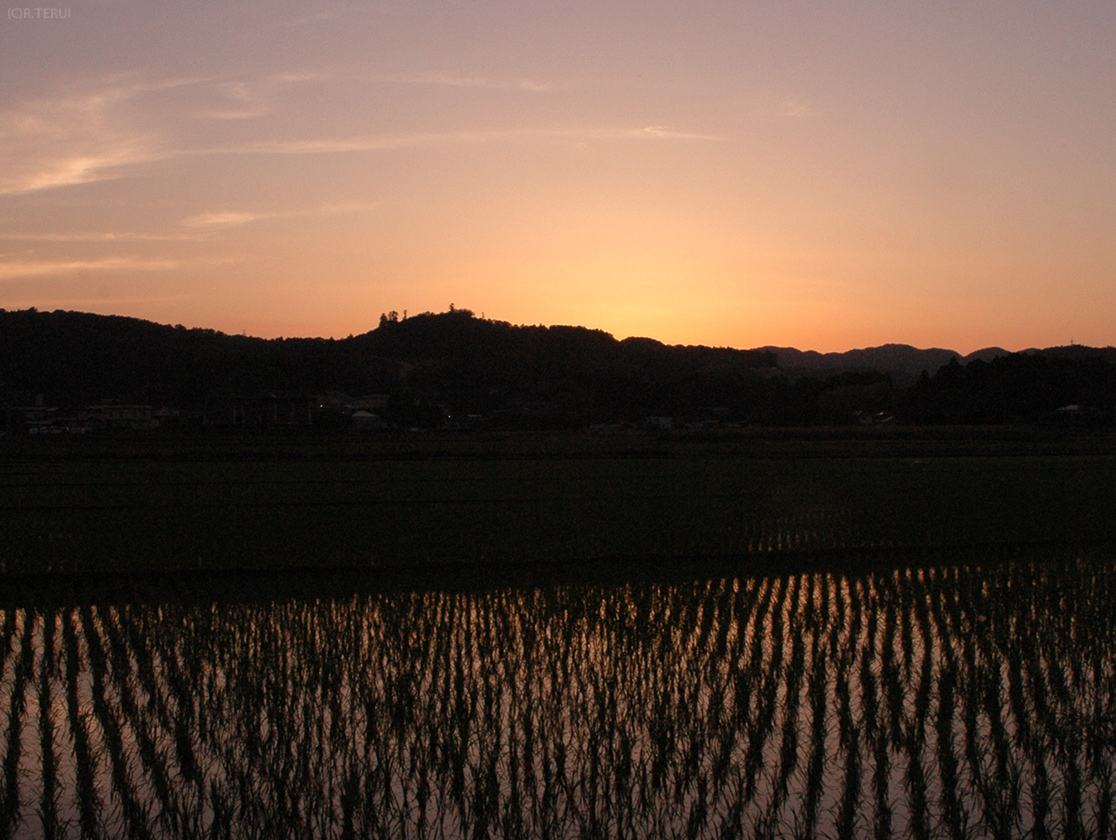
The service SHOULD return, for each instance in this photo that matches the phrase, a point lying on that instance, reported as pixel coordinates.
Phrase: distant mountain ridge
(887, 358)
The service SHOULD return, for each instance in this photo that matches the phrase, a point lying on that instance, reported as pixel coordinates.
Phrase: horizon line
(483, 317)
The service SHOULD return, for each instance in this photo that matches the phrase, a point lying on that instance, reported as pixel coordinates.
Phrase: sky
(825, 175)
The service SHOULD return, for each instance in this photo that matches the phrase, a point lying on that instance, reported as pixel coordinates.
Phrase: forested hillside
(433, 369)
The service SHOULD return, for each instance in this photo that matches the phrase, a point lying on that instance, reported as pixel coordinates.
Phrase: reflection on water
(936, 702)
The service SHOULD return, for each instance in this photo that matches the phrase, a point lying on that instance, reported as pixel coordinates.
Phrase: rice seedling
(134, 710)
(878, 737)
(1102, 825)
(134, 811)
(763, 720)
(815, 767)
(1072, 825)
(916, 787)
(85, 760)
(788, 747)
(10, 805)
(48, 798)
(890, 671)
(848, 815)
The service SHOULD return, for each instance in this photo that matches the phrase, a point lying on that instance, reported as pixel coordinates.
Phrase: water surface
(964, 697)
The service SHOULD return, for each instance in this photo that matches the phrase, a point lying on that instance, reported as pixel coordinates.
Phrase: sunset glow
(826, 176)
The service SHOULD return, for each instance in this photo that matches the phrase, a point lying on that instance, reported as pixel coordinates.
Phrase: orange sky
(826, 176)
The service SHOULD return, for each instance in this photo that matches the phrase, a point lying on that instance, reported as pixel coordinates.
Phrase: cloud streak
(665, 132)
(49, 143)
(105, 236)
(225, 219)
(110, 125)
(795, 109)
(236, 218)
(45, 268)
(380, 142)
(105, 132)
(457, 80)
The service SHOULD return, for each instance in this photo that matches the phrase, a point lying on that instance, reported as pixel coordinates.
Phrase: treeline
(455, 368)
(1064, 384)
(78, 358)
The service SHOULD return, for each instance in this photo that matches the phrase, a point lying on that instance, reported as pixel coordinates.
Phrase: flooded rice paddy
(966, 697)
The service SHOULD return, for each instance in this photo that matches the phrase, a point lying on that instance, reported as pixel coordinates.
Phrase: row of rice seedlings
(85, 758)
(825, 646)
(992, 779)
(1069, 731)
(767, 648)
(11, 806)
(841, 647)
(1063, 724)
(1047, 728)
(955, 815)
(939, 735)
(164, 704)
(788, 753)
(847, 817)
(817, 694)
(750, 686)
(8, 631)
(49, 793)
(135, 807)
(136, 707)
(914, 727)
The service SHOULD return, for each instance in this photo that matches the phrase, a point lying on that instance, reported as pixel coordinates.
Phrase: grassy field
(281, 503)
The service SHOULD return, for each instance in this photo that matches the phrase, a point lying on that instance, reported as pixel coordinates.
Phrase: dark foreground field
(422, 501)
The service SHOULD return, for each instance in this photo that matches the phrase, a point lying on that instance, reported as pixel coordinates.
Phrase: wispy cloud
(308, 76)
(361, 143)
(665, 132)
(68, 140)
(68, 171)
(240, 101)
(375, 142)
(316, 17)
(107, 236)
(11, 269)
(458, 80)
(236, 218)
(795, 108)
(101, 129)
(104, 132)
(224, 219)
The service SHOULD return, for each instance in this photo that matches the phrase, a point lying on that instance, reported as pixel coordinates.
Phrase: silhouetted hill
(987, 354)
(68, 357)
(428, 363)
(453, 368)
(1079, 352)
(558, 374)
(901, 360)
